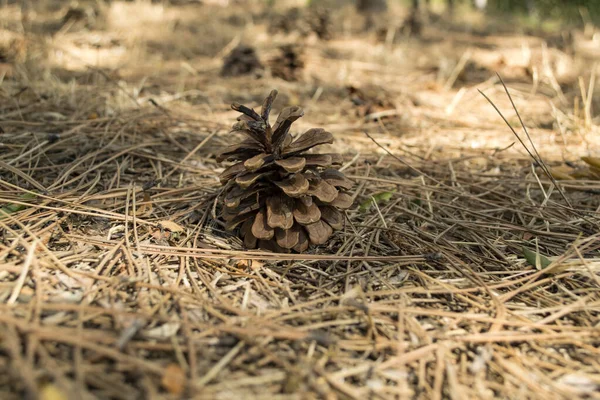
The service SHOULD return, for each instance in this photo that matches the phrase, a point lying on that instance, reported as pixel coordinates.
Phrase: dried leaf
(561, 176)
(146, 207)
(51, 392)
(254, 265)
(171, 226)
(593, 161)
(173, 379)
(160, 236)
(164, 331)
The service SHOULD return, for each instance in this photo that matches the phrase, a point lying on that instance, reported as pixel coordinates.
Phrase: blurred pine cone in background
(288, 64)
(13, 51)
(242, 60)
(315, 20)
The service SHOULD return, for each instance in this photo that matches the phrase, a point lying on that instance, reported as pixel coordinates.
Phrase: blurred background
(395, 67)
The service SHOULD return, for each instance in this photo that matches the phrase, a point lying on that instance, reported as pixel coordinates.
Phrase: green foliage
(536, 259)
(375, 199)
(13, 208)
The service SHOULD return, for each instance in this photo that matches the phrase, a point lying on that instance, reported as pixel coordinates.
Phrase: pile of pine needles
(459, 274)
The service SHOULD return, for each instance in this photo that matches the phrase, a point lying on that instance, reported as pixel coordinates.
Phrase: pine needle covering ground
(463, 270)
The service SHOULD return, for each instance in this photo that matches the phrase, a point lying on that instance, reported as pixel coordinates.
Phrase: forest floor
(469, 266)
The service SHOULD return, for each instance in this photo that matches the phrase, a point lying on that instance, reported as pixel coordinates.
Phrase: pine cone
(288, 64)
(292, 20)
(413, 24)
(241, 61)
(281, 197)
(76, 13)
(369, 100)
(316, 20)
(320, 23)
(13, 51)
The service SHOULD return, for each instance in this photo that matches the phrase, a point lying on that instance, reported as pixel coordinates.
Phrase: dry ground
(478, 277)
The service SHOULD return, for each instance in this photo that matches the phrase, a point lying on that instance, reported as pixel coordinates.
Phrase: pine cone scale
(255, 163)
(322, 190)
(295, 186)
(343, 200)
(231, 172)
(308, 140)
(260, 228)
(332, 216)
(319, 232)
(247, 180)
(318, 160)
(306, 214)
(303, 242)
(336, 178)
(279, 213)
(288, 238)
(292, 164)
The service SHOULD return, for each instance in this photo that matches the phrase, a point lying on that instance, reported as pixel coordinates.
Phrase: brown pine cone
(369, 100)
(281, 197)
(288, 64)
(242, 60)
